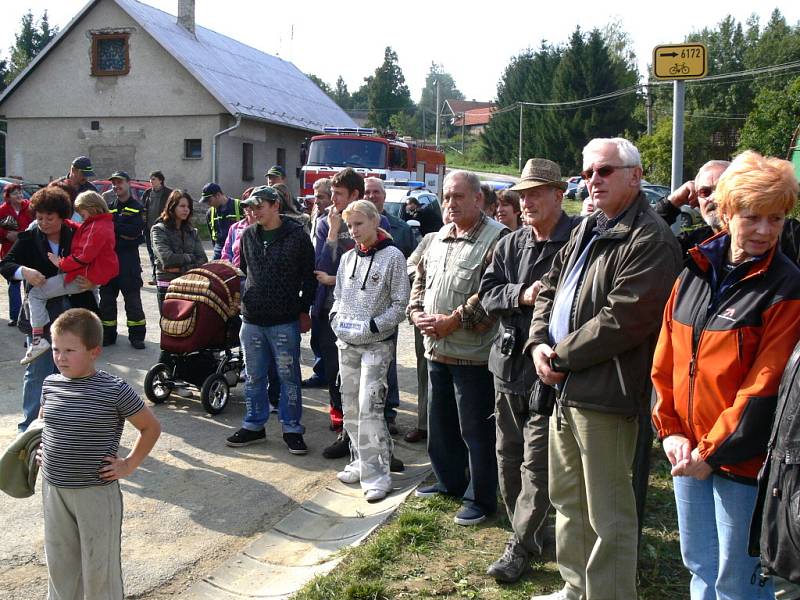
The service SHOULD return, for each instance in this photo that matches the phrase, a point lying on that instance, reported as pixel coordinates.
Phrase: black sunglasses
(604, 171)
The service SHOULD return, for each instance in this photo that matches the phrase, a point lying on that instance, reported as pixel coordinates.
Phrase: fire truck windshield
(345, 152)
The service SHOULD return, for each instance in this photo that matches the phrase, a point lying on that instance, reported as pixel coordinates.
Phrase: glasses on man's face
(706, 191)
(604, 171)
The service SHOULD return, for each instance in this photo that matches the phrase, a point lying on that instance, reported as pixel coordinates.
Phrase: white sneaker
(35, 350)
(348, 477)
(375, 495)
(559, 595)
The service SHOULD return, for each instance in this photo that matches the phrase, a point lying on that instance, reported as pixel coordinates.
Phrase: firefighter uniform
(219, 220)
(129, 228)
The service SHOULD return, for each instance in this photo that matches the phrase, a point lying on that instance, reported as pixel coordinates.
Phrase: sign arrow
(672, 54)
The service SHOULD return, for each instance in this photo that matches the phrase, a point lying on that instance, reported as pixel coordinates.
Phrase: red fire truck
(371, 155)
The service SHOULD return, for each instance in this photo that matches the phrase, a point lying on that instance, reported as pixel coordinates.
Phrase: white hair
(471, 178)
(377, 180)
(628, 153)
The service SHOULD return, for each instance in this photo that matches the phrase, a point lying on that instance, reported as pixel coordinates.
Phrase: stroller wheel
(215, 394)
(157, 383)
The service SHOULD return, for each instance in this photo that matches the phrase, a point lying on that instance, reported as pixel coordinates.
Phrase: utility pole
(437, 114)
(519, 149)
(649, 108)
(463, 122)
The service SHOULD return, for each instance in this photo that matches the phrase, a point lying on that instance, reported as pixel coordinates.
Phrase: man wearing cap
(277, 258)
(222, 213)
(594, 326)
(129, 228)
(79, 173)
(508, 291)
(458, 334)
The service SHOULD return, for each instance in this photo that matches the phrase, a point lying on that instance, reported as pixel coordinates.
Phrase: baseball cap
(120, 175)
(262, 193)
(209, 190)
(275, 171)
(84, 165)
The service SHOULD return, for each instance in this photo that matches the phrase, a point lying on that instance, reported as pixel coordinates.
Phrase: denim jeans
(35, 373)
(714, 523)
(261, 346)
(14, 299)
(461, 433)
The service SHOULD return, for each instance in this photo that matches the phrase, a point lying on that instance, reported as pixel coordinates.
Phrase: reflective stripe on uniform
(109, 323)
(136, 323)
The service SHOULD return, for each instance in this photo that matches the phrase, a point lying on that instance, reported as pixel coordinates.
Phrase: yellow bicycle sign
(680, 61)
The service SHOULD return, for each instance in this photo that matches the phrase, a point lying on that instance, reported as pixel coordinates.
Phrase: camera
(508, 341)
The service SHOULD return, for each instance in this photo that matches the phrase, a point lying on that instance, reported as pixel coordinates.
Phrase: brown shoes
(415, 435)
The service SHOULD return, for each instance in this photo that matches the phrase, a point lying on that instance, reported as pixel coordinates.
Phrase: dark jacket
(516, 264)
(723, 345)
(181, 248)
(790, 238)
(30, 250)
(154, 210)
(128, 222)
(280, 275)
(401, 234)
(219, 220)
(616, 312)
(775, 528)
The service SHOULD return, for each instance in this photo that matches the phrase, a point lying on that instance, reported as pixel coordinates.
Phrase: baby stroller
(200, 336)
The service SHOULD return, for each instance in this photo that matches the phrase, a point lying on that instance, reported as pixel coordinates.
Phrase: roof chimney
(186, 15)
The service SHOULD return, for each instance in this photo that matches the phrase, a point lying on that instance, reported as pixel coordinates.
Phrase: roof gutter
(214, 161)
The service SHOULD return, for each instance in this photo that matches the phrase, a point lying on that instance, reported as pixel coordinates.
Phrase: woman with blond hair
(728, 330)
(370, 299)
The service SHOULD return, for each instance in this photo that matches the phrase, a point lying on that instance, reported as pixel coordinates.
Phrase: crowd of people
(549, 348)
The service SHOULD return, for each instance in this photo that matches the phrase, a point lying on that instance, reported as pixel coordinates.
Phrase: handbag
(542, 400)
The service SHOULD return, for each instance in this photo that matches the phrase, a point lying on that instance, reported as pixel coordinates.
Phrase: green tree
(28, 43)
(427, 102)
(321, 85)
(341, 95)
(769, 126)
(388, 93)
(656, 150)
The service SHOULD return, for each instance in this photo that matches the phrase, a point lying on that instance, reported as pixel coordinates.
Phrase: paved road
(194, 502)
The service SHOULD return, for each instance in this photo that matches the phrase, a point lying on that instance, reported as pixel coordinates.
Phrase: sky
(474, 42)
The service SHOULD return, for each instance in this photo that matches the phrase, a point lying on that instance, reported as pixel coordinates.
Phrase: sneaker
(391, 424)
(339, 448)
(138, 344)
(396, 465)
(415, 435)
(469, 515)
(559, 595)
(375, 495)
(12, 323)
(428, 491)
(246, 437)
(295, 443)
(512, 564)
(38, 347)
(313, 382)
(348, 477)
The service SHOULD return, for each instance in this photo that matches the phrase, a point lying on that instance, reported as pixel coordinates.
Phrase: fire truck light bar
(350, 130)
(414, 185)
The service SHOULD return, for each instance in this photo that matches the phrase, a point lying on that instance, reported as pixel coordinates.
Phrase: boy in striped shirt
(84, 411)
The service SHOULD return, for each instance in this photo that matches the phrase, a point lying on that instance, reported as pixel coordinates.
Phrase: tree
(769, 126)
(427, 102)
(28, 43)
(656, 150)
(388, 93)
(321, 85)
(341, 95)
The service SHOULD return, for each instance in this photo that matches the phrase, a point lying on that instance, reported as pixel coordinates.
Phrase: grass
(422, 553)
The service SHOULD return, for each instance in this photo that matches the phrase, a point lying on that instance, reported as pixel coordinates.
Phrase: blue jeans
(461, 433)
(261, 346)
(35, 373)
(14, 300)
(714, 522)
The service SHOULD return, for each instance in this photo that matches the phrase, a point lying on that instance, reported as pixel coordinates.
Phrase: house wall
(144, 116)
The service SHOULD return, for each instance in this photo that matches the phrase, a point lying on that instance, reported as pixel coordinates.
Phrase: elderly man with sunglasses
(592, 335)
(700, 193)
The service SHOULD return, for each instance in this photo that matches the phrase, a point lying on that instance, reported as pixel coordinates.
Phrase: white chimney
(186, 15)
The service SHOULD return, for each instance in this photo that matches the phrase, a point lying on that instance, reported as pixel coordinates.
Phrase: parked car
(572, 186)
(689, 216)
(138, 186)
(28, 188)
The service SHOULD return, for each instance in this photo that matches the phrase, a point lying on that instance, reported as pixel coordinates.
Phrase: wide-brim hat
(540, 171)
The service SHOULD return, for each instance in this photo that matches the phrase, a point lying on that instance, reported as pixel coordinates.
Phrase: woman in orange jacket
(728, 330)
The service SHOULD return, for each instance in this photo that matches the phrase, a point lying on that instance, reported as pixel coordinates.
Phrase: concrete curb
(307, 542)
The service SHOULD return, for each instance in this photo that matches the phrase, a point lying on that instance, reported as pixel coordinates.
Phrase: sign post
(679, 62)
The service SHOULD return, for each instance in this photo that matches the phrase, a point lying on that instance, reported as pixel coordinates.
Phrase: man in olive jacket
(594, 327)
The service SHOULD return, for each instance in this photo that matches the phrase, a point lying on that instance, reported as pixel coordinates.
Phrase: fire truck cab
(371, 155)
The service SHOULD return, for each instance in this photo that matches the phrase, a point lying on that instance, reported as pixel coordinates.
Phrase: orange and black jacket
(724, 342)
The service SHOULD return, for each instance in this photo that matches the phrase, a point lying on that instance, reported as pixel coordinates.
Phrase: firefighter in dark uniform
(129, 227)
(222, 213)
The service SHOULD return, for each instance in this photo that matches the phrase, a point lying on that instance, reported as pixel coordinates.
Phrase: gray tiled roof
(244, 80)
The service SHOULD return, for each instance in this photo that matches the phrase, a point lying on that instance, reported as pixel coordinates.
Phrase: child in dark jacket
(92, 257)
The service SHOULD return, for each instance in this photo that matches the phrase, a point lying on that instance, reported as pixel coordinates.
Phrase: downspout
(214, 161)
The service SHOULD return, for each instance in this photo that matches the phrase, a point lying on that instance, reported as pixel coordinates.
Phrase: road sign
(680, 61)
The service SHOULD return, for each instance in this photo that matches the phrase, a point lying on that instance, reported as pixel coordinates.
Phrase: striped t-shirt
(83, 421)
